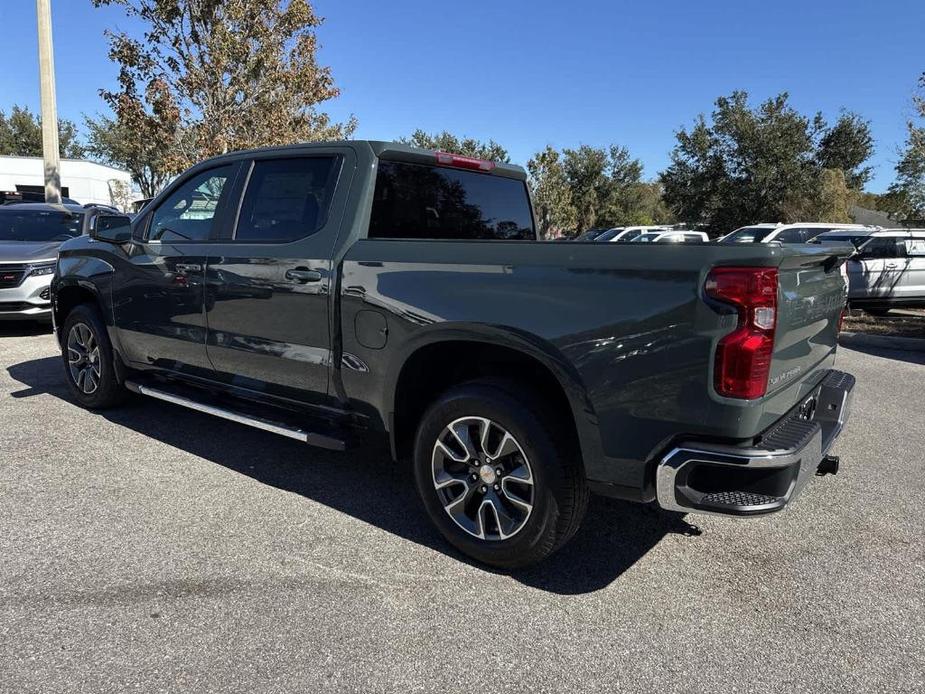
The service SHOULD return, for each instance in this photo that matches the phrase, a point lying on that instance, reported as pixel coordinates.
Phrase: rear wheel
(88, 359)
(497, 475)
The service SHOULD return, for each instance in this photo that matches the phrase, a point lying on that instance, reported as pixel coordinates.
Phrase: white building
(83, 181)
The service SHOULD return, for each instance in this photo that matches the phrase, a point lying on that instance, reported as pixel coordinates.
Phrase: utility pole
(49, 105)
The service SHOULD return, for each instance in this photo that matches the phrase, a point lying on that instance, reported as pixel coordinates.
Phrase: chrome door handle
(303, 275)
(188, 267)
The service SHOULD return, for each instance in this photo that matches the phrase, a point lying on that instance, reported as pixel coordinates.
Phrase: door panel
(268, 293)
(876, 272)
(158, 298)
(912, 283)
(158, 305)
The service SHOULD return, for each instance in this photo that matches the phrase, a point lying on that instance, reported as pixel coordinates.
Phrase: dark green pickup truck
(328, 291)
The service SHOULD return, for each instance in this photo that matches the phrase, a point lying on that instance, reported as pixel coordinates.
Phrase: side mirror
(112, 228)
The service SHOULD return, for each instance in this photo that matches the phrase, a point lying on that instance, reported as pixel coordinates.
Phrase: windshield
(609, 234)
(748, 235)
(37, 226)
(630, 236)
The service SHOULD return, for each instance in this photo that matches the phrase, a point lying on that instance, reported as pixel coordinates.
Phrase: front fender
(93, 276)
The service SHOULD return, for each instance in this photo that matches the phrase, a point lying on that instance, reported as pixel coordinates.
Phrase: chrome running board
(310, 437)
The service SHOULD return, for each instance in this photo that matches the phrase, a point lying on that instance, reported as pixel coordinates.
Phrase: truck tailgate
(811, 299)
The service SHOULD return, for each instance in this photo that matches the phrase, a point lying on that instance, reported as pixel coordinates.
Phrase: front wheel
(497, 474)
(88, 359)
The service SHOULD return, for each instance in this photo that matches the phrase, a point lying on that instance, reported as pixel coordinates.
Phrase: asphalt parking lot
(157, 549)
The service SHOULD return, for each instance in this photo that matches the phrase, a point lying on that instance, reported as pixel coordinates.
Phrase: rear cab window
(421, 201)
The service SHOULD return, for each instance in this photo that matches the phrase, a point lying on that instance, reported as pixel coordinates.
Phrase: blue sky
(534, 73)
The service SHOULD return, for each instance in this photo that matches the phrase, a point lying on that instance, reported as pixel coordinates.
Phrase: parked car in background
(591, 234)
(856, 237)
(888, 272)
(673, 236)
(786, 233)
(627, 234)
(30, 234)
(327, 292)
(8, 197)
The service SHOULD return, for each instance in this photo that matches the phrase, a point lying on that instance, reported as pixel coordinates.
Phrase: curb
(903, 344)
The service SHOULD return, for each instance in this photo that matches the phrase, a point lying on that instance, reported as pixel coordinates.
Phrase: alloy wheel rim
(83, 358)
(483, 478)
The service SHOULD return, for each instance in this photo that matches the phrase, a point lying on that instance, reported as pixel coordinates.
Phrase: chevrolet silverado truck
(329, 292)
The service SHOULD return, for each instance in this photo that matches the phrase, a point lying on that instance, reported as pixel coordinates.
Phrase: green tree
(602, 184)
(907, 193)
(846, 146)
(212, 76)
(829, 198)
(552, 198)
(586, 174)
(467, 146)
(21, 135)
(763, 164)
(146, 158)
(647, 205)
(577, 189)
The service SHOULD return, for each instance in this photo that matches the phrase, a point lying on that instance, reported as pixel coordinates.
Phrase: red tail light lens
(461, 162)
(743, 357)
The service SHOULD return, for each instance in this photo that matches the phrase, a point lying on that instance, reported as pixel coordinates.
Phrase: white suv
(627, 234)
(801, 232)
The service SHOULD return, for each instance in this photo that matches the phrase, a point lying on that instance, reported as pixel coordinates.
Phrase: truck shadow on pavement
(367, 485)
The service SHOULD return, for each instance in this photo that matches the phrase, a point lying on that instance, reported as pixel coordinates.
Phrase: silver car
(888, 271)
(30, 234)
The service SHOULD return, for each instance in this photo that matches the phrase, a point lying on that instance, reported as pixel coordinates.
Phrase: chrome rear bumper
(763, 478)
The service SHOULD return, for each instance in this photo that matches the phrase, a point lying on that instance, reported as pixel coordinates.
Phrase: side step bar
(311, 438)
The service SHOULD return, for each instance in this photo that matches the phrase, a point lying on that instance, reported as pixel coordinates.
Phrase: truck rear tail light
(743, 357)
(461, 162)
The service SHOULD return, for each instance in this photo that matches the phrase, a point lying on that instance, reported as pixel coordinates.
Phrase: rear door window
(287, 199)
(417, 201)
(882, 248)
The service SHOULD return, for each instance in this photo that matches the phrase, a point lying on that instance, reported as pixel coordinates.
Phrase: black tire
(879, 312)
(559, 492)
(108, 391)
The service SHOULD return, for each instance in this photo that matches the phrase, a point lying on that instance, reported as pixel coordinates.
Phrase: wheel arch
(69, 293)
(438, 359)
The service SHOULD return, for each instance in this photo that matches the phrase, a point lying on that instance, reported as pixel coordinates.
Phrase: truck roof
(396, 151)
(393, 151)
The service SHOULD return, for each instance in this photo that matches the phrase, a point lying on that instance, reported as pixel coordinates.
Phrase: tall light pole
(49, 105)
